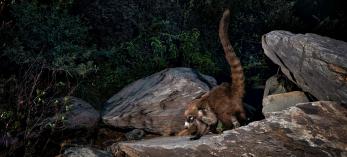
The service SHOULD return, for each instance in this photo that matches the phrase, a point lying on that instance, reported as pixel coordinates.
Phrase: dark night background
(93, 48)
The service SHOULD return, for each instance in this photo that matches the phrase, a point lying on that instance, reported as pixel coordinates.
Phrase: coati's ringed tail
(224, 102)
(237, 76)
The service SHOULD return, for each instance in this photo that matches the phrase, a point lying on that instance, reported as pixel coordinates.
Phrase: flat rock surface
(316, 129)
(156, 103)
(315, 63)
(279, 102)
(85, 152)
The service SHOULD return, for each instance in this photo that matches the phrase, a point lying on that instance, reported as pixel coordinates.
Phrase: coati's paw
(235, 122)
(195, 137)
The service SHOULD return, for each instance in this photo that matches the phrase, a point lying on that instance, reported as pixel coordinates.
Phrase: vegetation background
(92, 48)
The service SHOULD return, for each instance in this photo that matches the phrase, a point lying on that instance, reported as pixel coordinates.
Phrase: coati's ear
(205, 95)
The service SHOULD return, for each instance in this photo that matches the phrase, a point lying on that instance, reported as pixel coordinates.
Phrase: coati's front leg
(205, 119)
(196, 128)
(187, 131)
(201, 129)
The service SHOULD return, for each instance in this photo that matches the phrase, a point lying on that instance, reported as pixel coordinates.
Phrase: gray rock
(315, 63)
(85, 152)
(274, 86)
(156, 103)
(279, 102)
(310, 129)
(135, 134)
(77, 114)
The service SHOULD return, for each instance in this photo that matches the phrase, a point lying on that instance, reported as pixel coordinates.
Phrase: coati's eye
(190, 119)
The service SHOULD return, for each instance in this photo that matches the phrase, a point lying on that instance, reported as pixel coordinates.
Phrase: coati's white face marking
(186, 124)
(189, 121)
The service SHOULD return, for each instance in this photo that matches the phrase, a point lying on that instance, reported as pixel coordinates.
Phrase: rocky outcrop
(316, 64)
(156, 103)
(279, 102)
(85, 152)
(309, 129)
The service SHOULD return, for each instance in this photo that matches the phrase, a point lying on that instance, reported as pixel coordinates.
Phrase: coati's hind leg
(238, 119)
(241, 117)
(225, 118)
(231, 121)
(235, 122)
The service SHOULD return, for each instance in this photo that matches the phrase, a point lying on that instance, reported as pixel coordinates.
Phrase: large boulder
(156, 103)
(77, 114)
(310, 129)
(315, 63)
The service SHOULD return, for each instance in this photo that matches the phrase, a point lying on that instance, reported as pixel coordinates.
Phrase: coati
(223, 102)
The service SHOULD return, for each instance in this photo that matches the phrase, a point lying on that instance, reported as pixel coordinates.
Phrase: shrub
(49, 36)
(44, 51)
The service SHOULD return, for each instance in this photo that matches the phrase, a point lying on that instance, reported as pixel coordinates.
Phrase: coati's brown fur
(223, 101)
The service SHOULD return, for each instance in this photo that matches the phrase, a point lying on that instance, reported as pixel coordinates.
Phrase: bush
(48, 36)
(44, 52)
